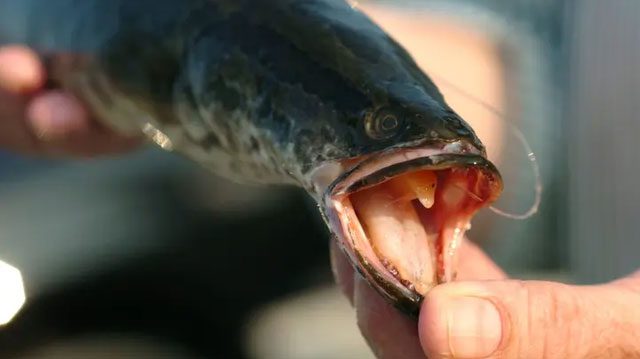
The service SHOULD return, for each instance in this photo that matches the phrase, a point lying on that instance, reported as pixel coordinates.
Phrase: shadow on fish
(308, 93)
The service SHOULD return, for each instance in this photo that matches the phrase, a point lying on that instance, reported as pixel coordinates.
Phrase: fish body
(304, 92)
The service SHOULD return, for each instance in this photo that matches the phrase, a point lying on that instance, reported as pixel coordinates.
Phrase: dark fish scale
(211, 141)
(254, 145)
(229, 97)
(264, 109)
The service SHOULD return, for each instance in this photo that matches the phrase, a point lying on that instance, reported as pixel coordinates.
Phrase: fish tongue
(395, 229)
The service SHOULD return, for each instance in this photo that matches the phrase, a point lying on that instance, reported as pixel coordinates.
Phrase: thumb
(515, 319)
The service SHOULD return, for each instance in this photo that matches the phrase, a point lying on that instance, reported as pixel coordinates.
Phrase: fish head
(400, 204)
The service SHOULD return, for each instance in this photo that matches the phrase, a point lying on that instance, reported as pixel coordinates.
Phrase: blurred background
(148, 256)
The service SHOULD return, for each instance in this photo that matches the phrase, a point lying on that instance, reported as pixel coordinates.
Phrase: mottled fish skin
(255, 90)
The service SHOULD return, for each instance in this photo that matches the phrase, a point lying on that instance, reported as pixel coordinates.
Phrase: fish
(306, 93)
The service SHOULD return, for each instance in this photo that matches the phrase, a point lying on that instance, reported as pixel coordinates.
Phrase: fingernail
(474, 327)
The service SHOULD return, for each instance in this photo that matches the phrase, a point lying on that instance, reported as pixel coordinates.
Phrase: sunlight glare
(12, 295)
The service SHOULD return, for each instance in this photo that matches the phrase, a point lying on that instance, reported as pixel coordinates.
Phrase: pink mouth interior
(409, 227)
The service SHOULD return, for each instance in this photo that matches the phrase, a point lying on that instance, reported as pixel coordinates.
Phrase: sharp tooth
(426, 195)
(423, 185)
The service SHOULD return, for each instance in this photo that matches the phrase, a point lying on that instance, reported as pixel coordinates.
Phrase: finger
(515, 319)
(56, 115)
(63, 127)
(390, 334)
(56, 126)
(342, 269)
(20, 70)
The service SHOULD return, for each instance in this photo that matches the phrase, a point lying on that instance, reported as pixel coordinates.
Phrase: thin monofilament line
(520, 136)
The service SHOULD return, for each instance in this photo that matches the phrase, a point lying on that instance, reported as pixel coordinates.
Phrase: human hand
(51, 122)
(494, 317)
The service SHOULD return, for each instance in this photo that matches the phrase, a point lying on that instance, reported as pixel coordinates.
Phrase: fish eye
(389, 123)
(383, 125)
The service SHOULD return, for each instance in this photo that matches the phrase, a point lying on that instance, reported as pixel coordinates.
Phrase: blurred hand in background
(36, 120)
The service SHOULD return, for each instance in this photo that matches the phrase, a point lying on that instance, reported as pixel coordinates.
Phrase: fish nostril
(454, 124)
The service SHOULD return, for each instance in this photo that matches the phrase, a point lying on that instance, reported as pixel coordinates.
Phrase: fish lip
(434, 162)
(366, 173)
(412, 156)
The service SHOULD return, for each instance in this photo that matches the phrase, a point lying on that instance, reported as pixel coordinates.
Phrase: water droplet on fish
(158, 137)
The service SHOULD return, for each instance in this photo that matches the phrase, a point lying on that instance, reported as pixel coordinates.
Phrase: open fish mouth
(400, 216)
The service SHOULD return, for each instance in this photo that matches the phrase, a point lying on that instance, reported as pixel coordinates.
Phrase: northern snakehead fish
(310, 93)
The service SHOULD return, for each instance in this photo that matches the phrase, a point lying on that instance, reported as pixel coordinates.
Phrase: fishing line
(466, 191)
(533, 209)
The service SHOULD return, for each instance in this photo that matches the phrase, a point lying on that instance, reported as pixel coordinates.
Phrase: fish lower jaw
(403, 234)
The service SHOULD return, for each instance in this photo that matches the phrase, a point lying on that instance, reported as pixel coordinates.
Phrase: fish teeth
(423, 185)
(426, 195)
